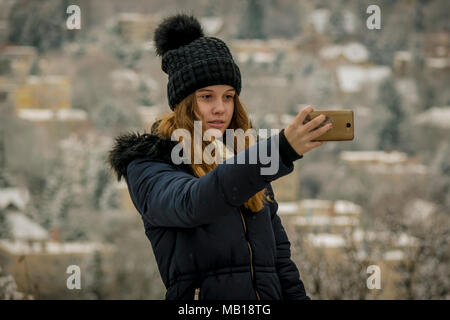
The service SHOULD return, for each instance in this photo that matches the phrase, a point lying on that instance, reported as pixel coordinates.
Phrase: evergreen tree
(4, 228)
(41, 24)
(97, 277)
(252, 26)
(389, 98)
(336, 26)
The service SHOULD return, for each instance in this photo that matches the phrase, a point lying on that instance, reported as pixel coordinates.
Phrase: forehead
(216, 88)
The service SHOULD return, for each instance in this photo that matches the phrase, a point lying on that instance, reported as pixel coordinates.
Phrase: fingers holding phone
(300, 134)
(310, 128)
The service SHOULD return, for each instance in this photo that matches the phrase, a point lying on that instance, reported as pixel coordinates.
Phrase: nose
(218, 107)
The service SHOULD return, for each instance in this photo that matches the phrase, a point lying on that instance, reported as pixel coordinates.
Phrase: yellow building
(47, 92)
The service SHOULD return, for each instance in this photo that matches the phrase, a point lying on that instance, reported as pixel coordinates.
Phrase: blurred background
(382, 199)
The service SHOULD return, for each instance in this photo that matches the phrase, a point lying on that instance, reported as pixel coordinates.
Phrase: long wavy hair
(184, 117)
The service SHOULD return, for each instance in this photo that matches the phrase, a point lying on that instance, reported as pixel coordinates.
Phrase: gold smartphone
(342, 121)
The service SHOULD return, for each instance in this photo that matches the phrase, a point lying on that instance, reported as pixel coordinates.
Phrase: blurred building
(350, 53)
(316, 216)
(354, 78)
(43, 92)
(436, 117)
(436, 50)
(387, 163)
(136, 27)
(34, 256)
(265, 53)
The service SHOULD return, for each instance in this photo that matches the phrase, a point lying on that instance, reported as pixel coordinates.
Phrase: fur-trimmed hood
(132, 145)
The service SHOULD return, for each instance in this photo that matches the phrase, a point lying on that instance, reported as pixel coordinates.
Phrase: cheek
(201, 111)
(231, 112)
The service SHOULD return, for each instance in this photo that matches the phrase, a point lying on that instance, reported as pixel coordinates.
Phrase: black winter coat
(201, 234)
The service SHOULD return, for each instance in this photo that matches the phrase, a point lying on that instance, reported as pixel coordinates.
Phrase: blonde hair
(184, 117)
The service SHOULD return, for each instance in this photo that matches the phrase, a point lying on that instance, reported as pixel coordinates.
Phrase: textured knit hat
(191, 60)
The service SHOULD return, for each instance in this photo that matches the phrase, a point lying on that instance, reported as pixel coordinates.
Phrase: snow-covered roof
(331, 240)
(71, 114)
(327, 240)
(393, 255)
(48, 114)
(52, 247)
(385, 168)
(326, 221)
(403, 56)
(352, 77)
(36, 114)
(341, 207)
(48, 79)
(437, 63)
(23, 228)
(435, 116)
(346, 207)
(211, 25)
(15, 196)
(319, 19)
(287, 207)
(315, 204)
(354, 52)
(330, 52)
(405, 240)
(264, 57)
(374, 156)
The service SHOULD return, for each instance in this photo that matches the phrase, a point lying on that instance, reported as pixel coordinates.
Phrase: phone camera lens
(349, 124)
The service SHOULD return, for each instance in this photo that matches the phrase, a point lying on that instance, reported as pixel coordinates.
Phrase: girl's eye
(206, 96)
(229, 96)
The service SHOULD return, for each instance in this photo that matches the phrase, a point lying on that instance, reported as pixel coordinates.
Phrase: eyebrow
(209, 90)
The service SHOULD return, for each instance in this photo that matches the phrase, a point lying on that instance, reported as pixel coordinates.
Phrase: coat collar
(132, 145)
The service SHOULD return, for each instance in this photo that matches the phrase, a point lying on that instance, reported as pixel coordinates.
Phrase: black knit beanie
(191, 60)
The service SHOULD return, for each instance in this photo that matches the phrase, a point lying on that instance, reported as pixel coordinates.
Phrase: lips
(216, 124)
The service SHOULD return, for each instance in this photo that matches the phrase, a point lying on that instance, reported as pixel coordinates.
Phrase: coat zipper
(197, 294)
(251, 255)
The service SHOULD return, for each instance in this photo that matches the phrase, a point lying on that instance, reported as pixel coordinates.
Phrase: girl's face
(215, 106)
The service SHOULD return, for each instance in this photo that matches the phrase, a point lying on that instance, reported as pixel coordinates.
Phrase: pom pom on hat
(176, 31)
(191, 59)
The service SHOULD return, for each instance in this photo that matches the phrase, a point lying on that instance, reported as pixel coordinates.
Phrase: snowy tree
(8, 288)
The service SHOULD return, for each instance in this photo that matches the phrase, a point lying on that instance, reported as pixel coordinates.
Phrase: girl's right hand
(300, 136)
